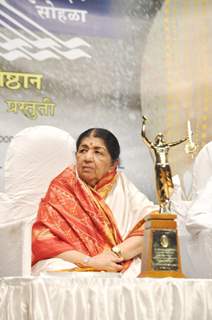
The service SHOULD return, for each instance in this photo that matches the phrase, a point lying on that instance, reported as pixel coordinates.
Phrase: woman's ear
(116, 163)
(75, 155)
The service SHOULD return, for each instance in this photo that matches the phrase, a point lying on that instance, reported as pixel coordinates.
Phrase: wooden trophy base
(161, 257)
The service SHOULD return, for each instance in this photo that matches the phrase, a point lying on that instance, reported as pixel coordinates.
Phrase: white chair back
(35, 156)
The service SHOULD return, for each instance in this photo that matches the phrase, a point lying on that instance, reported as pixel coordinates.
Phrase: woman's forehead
(93, 142)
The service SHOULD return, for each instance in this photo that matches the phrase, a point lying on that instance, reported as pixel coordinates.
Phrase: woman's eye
(82, 150)
(98, 152)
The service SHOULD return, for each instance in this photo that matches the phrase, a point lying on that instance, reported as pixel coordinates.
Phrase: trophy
(161, 257)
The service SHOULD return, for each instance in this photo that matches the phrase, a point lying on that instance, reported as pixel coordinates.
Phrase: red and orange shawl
(74, 216)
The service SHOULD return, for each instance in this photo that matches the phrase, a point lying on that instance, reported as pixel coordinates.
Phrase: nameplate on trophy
(164, 250)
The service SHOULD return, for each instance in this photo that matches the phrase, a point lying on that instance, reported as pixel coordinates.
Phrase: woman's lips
(86, 168)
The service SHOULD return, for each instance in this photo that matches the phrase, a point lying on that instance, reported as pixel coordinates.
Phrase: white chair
(34, 157)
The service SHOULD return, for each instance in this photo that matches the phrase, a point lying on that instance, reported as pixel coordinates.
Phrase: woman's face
(93, 160)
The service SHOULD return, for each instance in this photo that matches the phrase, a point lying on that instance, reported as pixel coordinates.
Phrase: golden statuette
(164, 183)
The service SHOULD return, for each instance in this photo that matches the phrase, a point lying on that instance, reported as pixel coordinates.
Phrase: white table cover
(92, 298)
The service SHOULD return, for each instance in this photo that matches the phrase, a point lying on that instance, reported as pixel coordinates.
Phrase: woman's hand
(106, 261)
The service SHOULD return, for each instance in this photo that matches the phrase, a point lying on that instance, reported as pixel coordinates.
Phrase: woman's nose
(89, 155)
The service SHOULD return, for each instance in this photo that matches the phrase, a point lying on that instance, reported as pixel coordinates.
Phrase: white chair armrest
(15, 249)
(16, 218)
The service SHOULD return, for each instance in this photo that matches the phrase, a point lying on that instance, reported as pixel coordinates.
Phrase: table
(79, 297)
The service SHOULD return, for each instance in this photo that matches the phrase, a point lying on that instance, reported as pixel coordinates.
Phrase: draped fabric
(73, 216)
(75, 296)
(199, 214)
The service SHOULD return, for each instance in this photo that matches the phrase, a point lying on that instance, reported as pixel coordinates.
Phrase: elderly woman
(91, 218)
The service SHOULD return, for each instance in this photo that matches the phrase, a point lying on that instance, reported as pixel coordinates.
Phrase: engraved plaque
(164, 250)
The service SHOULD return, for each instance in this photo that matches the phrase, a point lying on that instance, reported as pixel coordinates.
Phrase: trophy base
(161, 257)
(161, 274)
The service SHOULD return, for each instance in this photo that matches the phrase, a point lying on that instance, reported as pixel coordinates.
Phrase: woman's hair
(108, 137)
